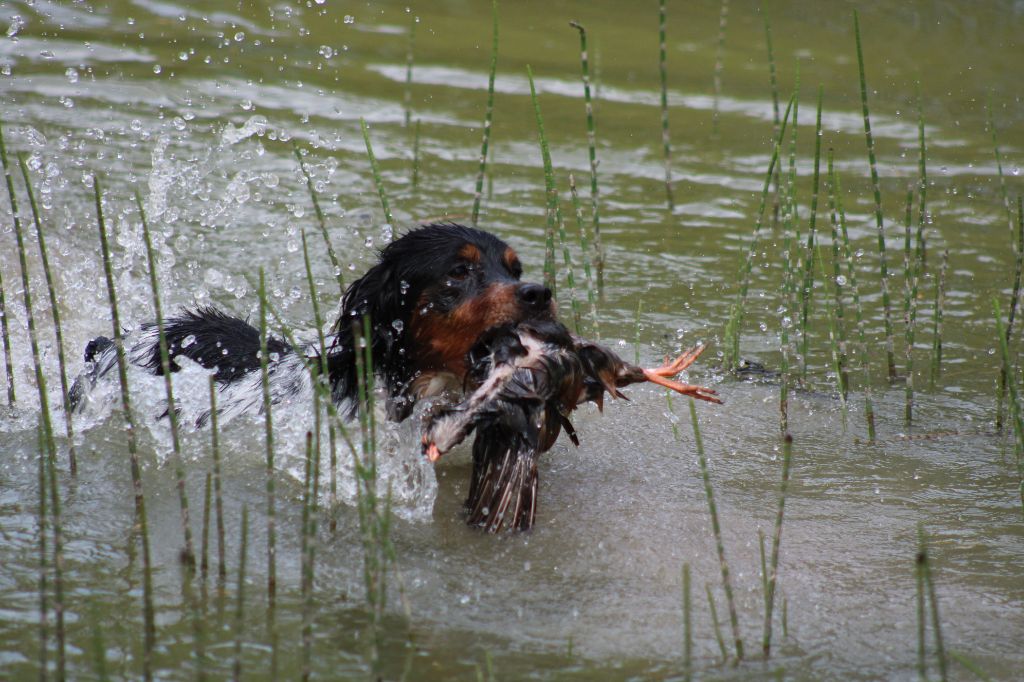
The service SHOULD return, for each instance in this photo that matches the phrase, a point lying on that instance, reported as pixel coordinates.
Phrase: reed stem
(732, 328)
(5, 331)
(773, 574)
(377, 180)
(44, 625)
(409, 57)
(665, 140)
(240, 597)
(268, 423)
(839, 281)
(148, 609)
(321, 221)
(940, 302)
(723, 18)
(46, 423)
(189, 556)
(925, 566)
(1018, 264)
(882, 266)
(715, 624)
(416, 157)
(553, 210)
(1015, 407)
(807, 290)
(592, 149)
(585, 250)
(55, 313)
(716, 528)
(217, 493)
(836, 189)
(488, 116)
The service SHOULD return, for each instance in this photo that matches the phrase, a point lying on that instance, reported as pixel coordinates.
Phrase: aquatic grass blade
(488, 116)
(592, 152)
(551, 192)
(54, 312)
(717, 530)
(666, 142)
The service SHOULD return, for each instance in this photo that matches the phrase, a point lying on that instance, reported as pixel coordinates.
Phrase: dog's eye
(460, 271)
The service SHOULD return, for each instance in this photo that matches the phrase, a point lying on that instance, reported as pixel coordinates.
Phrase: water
(198, 108)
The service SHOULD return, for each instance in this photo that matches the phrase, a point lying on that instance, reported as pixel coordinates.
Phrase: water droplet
(239, 37)
(398, 325)
(841, 280)
(349, 19)
(72, 75)
(188, 341)
(787, 322)
(246, 104)
(157, 69)
(326, 51)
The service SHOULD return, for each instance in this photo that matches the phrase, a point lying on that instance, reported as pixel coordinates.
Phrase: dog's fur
(431, 294)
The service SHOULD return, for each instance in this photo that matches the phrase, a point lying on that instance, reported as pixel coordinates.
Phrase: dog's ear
(381, 295)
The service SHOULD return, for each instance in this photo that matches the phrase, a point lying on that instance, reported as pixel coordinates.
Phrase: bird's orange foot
(660, 376)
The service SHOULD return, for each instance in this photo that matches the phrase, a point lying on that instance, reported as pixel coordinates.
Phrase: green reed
(218, 499)
(838, 281)
(204, 538)
(922, 619)
(1015, 406)
(377, 180)
(665, 140)
(732, 328)
(1018, 263)
(148, 609)
(969, 666)
(723, 19)
(570, 277)
(410, 56)
(716, 626)
(592, 148)
(687, 624)
(836, 201)
(306, 577)
(321, 381)
(636, 331)
(240, 596)
(716, 528)
(773, 574)
(912, 273)
(764, 566)
(773, 79)
(882, 266)
(940, 302)
(268, 423)
(924, 566)
(488, 115)
(785, 322)
(551, 192)
(585, 251)
(922, 181)
(188, 557)
(5, 332)
(774, 83)
(44, 625)
(807, 289)
(46, 423)
(321, 221)
(999, 164)
(835, 352)
(416, 157)
(54, 312)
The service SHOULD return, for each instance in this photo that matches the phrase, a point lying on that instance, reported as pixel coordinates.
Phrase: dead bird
(524, 380)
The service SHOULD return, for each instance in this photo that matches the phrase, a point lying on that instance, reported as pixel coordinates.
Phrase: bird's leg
(661, 376)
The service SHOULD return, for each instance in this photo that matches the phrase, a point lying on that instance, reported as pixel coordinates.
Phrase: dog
(431, 294)
(449, 317)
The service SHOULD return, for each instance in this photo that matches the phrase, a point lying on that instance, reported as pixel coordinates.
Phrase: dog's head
(434, 291)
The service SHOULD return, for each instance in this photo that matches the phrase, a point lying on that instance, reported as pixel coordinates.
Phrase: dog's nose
(534, 296)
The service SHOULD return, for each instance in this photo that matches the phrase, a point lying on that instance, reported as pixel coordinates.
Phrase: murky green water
(197, 106)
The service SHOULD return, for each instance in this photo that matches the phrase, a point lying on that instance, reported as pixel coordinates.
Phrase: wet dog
(431, 294)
